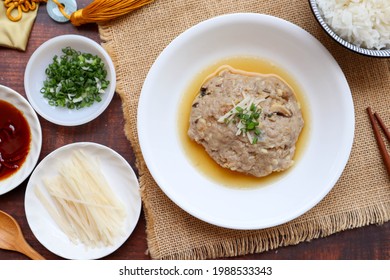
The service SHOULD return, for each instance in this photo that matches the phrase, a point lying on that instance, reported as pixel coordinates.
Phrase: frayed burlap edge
(276, 237)
(258, 241)
(273, 238)
(130, 133)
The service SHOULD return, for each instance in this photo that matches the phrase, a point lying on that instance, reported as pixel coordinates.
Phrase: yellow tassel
(97, 11)
(21, 6)
(104, 10)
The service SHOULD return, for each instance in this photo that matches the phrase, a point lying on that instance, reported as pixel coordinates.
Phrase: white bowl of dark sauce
(167, 96)
(20, 139)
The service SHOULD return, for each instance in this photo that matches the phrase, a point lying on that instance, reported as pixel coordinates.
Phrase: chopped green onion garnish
(245, 115)
(75, 80)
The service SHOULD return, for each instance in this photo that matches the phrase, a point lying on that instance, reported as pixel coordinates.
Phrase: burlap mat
(361, 196)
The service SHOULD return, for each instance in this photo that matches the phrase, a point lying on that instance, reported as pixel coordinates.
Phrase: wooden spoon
(11, 237)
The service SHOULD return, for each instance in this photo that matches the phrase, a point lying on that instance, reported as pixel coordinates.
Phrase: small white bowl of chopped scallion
(70, 80)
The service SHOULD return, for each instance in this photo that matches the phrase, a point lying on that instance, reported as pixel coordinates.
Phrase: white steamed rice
(364, 23)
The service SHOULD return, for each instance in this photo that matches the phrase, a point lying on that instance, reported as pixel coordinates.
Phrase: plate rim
(222, 19)
(105, 250)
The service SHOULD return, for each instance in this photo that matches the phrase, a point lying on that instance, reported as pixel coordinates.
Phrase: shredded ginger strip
(82, 203)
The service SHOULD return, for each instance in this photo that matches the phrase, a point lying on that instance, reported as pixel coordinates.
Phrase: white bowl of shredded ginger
(92, 212)
(362, 26)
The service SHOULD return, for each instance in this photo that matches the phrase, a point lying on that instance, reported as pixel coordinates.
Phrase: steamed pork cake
(247, 122)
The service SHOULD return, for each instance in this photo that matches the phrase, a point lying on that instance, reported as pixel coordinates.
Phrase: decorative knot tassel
(104, 10)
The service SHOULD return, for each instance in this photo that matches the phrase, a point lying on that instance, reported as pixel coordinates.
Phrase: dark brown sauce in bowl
(15, 139)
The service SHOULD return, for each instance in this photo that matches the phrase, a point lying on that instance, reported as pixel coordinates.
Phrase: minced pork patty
(247, 122)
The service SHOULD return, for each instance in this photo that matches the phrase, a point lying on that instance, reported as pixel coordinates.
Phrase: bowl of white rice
(362, 26)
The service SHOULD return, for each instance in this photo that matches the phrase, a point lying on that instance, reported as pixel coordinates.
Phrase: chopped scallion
(75, 80)
(245, 116)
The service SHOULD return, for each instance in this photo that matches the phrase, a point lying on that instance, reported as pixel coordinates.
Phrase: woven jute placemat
(360, 197)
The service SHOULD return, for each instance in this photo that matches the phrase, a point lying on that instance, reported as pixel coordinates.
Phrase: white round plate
(330, 109)
(120, 177)
(34, 76)
(27, 167)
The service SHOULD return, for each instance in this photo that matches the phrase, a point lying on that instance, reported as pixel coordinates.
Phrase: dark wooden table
(371, 242)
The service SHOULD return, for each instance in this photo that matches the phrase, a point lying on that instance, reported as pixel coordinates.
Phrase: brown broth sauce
(15, 138)
(197, 154)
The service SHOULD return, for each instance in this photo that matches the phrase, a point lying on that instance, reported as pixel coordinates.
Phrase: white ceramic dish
(34, 77)
(119, 175)
(27, 167)
(383, 53)
(331, 114)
